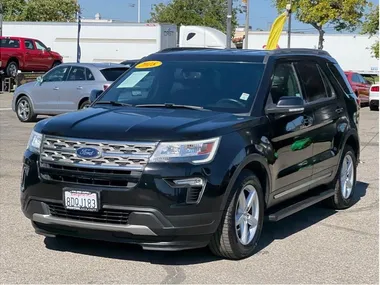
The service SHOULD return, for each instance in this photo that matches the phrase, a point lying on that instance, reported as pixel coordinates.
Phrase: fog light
(195, 188)
(190, 182)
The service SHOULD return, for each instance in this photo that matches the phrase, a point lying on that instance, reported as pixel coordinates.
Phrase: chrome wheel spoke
(244, 232)
(242, 201)
(252, 221)
(239, 218)
(250, 200)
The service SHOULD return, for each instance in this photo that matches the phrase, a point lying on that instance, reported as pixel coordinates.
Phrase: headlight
(195, 152)
(34, 142)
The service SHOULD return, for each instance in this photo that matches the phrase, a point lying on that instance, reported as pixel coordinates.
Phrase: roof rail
(300, 50)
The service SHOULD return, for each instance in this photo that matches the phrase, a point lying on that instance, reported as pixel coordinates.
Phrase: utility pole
(289, 9)
(78, 36)
(138, 11)
(246, 24)
(1, 19)
(229, 23)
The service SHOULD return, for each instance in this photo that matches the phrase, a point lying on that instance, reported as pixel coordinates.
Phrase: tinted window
(56, 74)
(28, 44)
(311, 79)
(77, 74)
(8, 43)
(111, 74)
(340, 77)
(284, 82)
(224, 86)
(89, 75)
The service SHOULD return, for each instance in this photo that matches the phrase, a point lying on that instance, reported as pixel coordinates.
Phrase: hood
(142, 124)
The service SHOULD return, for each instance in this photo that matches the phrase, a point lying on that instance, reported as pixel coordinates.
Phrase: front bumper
(149, 214)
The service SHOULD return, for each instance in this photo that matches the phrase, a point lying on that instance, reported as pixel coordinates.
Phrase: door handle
(56, 88)
(339, 110)
(307, 121)
(79, 87)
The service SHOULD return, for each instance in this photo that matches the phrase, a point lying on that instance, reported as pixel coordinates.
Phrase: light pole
(1, 19)
(138, 11)
(229, 23)
(246, 24)
(289, 9)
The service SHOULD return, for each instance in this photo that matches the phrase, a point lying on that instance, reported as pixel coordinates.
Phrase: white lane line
(5, 109)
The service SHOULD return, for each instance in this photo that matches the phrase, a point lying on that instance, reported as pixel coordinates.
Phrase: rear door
(321, 97)
(290, 137)
(77, 86)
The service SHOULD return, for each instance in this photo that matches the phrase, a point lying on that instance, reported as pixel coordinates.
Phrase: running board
(298, 206)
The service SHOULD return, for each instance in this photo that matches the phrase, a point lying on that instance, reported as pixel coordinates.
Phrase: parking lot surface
(316, 245)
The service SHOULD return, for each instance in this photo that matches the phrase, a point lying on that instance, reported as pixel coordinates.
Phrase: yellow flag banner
(275, 31)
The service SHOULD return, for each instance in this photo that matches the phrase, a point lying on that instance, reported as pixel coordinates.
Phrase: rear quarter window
(341, 77)
(9, 43)
(111, 74)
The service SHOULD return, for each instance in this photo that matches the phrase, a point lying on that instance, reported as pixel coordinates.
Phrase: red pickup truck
(26, 54)
(360, 86)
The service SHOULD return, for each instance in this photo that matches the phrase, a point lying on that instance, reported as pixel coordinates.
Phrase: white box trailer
(114, 41)
(352, 51)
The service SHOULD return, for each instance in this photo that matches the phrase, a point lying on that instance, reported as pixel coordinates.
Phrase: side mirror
(40, 79)
(287, 106)
(48, 49)
(95, 94)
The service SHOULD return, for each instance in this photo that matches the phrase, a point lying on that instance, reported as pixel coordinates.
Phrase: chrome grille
(115, 155)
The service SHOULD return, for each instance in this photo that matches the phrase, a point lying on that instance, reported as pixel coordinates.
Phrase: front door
(46, 59)
(46, 94)
(290, 138)
(32, 56)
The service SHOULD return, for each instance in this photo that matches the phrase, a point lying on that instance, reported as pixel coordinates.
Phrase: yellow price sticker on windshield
(149, 64)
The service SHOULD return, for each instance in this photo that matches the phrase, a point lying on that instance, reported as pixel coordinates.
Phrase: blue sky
(262, 12)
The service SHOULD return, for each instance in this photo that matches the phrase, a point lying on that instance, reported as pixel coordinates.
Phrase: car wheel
(239, 231)
(12, 69)
(85, 104)
(345, 181)
(24, 110)
(373, 108)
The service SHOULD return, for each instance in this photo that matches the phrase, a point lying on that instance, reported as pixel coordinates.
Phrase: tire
(339, 201)
(226, 242)
(24, 110)
(373, 108)
(84, 104)
(12, 68)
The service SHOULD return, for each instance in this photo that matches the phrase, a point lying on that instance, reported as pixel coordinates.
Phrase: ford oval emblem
(88, 152)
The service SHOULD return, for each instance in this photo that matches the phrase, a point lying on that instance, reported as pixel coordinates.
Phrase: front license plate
(81, 200)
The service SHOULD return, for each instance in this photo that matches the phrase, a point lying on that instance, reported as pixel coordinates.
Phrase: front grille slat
(103, 216)
(120, 165)
(115, 155)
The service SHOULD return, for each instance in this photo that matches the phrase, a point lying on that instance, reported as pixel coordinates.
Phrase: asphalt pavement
(316, 245)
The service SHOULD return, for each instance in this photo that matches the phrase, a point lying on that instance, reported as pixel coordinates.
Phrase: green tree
(211, 13)
(371, 27)
(341, 14)
(40, 10)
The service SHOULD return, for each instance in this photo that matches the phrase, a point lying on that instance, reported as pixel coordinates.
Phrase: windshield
(219, 86)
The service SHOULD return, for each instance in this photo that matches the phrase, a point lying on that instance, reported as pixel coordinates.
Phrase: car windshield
(219, 86)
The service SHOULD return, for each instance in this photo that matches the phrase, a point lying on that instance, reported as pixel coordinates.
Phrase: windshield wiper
(172, 106)
(113, 103)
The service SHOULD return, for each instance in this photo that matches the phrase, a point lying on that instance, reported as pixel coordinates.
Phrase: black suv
(197, 147)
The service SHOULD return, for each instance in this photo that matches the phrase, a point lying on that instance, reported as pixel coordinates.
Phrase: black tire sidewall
(246, 178)
(339, 200)
(87, 102)
(31, 113)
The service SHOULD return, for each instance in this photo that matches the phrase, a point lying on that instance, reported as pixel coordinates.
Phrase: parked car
(26, 54)
(374, 97)
(188, 159)
(360, 86)
(65, 88)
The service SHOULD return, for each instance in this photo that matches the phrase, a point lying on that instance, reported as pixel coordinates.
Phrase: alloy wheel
(347, 176)
(23, 109)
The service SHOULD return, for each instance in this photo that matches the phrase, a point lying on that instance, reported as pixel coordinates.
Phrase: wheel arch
(18, 96)
(258, 165)
(82, 100)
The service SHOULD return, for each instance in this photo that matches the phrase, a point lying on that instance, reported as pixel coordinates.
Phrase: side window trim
(327, 83)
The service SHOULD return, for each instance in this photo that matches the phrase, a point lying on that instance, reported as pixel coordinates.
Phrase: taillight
(375, 88)
(105, 86)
